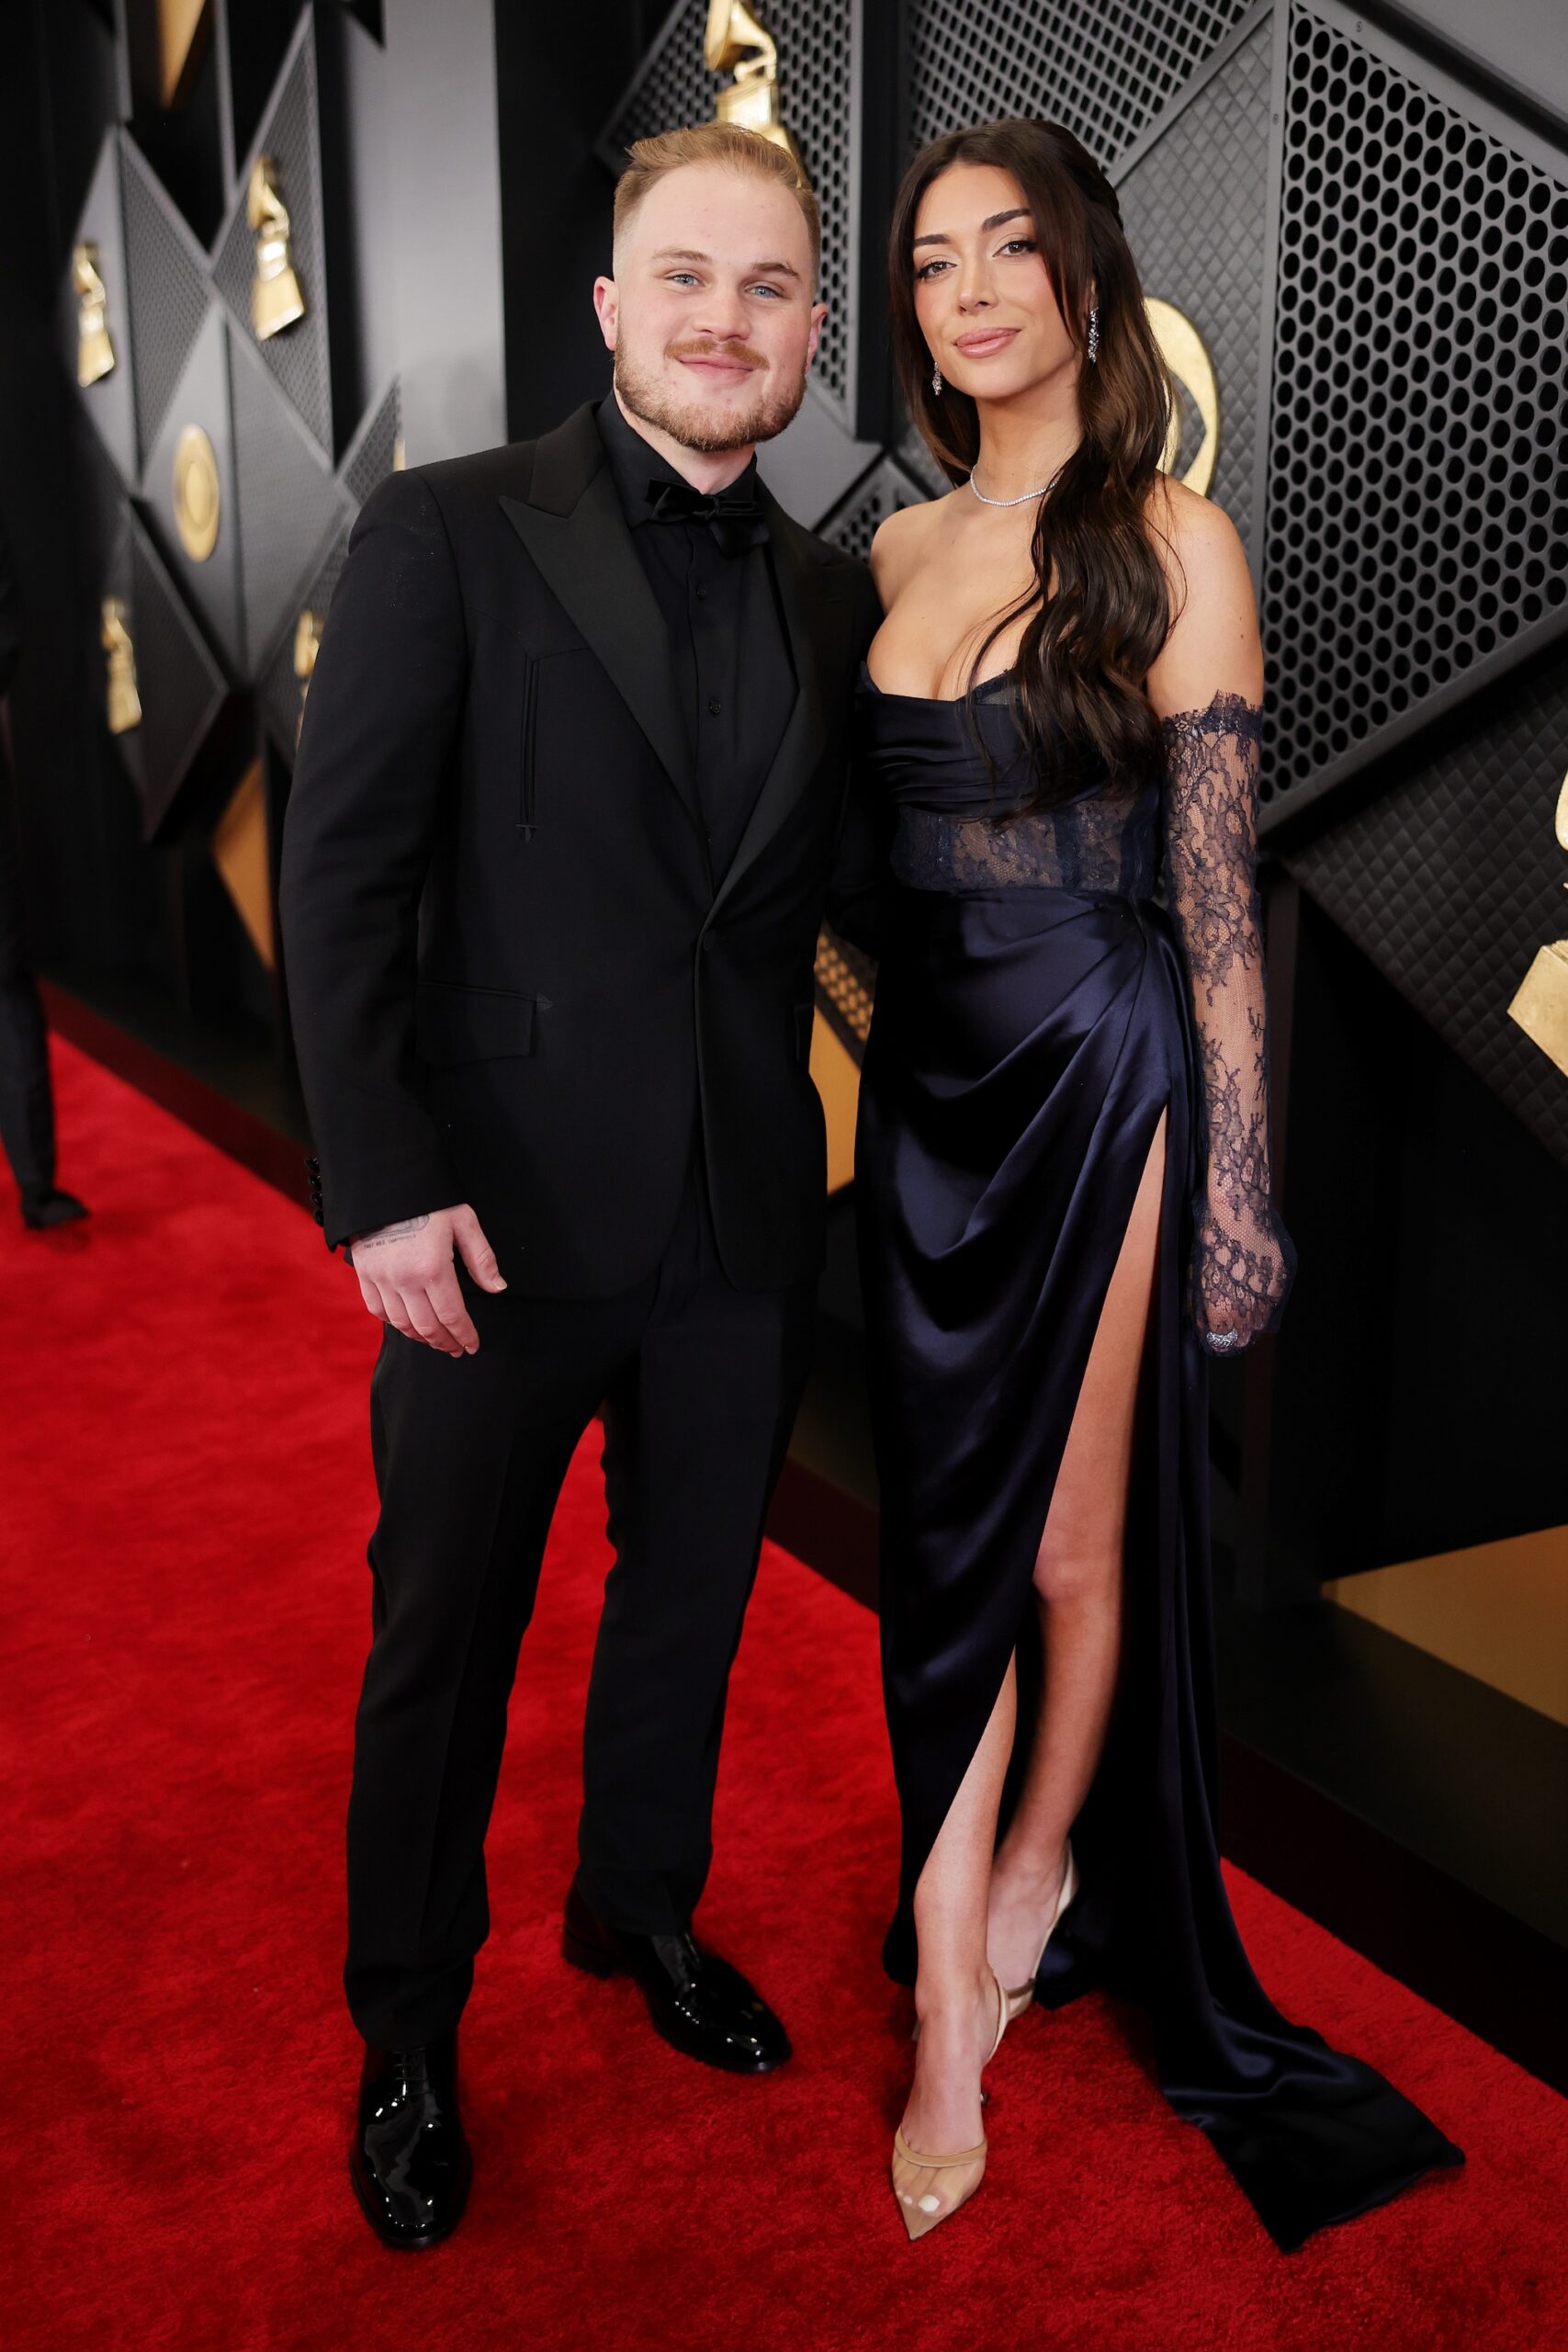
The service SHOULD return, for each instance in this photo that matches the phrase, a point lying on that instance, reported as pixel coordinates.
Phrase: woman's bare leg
(1077, 1582)
(954, 1997)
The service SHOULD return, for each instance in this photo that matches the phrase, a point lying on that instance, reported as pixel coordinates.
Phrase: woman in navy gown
(1064, 1191)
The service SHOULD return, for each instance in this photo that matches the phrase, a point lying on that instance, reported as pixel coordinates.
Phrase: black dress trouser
(698, 1383)
(26, 1105)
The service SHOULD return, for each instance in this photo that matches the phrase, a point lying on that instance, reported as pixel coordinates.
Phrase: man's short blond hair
(730, 147)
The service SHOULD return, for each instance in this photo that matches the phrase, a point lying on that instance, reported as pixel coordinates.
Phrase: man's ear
(818, 312)
(606, 308)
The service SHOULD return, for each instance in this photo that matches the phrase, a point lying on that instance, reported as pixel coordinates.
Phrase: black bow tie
(734, 516)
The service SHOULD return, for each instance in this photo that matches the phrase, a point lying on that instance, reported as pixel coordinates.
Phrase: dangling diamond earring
(1094, 338)
(936, 381)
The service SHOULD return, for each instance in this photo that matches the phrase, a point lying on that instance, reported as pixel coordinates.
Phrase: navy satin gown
(1036, 1010)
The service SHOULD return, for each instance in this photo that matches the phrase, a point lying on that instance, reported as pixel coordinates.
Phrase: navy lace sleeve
(1243, 1259)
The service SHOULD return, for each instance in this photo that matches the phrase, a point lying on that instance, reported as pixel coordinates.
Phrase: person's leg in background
(26, 1103)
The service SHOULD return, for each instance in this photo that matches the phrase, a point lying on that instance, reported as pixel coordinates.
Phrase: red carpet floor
(186, 1495)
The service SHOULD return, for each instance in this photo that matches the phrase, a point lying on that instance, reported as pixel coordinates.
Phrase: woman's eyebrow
(995, 220)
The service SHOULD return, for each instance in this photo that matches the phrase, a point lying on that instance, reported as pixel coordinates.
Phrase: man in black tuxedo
(570, 792)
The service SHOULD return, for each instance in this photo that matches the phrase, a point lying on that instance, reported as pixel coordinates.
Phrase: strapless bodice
(958, 826)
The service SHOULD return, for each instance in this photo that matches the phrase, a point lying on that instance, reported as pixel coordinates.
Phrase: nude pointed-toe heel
(920, 2203)
(1021, 1996)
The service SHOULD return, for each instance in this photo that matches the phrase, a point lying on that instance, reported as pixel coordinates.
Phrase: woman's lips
(975, 346)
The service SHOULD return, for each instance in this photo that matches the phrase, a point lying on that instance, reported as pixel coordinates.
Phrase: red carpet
(186, 1496)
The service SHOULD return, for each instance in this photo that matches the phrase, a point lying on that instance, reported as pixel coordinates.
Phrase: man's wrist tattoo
(398, 1232)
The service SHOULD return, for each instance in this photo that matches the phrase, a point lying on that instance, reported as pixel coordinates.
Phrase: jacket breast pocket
(455, 1023)
(547, 674)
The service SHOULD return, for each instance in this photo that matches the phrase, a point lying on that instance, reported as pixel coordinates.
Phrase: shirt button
(714, 706)
(700, 593)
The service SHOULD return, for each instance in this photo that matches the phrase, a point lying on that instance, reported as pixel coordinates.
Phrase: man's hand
(407, 1278)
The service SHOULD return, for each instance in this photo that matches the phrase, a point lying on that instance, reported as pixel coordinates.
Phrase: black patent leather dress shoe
(703, 2007)
(409, 2162)
(46, 1205)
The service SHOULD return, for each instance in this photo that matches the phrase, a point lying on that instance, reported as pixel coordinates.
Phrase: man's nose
(722, 315)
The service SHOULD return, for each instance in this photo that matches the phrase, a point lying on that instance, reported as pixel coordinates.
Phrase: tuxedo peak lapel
(805, 592)
(572, 523)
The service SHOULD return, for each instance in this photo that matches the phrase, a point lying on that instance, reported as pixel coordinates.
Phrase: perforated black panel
(1417, 509)
(169, 297)
(846, 984)
(816, 99)
(277, 689)
(852, 525)
(287, 501)
(1103, 67)
(1451, 880)
(374, 451)
(297, 358)
(181, 686)
(1194, 207)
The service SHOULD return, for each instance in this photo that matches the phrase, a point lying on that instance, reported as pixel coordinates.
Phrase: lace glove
(1243, 1259)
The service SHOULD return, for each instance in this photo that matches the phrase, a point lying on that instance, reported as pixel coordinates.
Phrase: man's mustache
(741, 351)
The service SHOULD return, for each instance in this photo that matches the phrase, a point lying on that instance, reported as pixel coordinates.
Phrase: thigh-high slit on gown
(1037, 1008)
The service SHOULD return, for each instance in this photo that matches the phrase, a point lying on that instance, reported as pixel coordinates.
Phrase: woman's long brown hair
(1088, 647)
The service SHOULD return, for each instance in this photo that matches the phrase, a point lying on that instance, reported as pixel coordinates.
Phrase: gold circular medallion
(197, 500)
(1187, 356)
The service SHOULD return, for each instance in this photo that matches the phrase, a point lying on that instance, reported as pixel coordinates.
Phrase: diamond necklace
(1022, 500)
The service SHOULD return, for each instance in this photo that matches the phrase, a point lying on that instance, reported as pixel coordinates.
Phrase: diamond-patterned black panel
(288, 502)
(846, 989)
(1103, 67)
(1451, 880)
(1417, 500)
(298, 358)
(374, 452)
(169, 299)
(277, 689)
(211, 585)
(816, 99)
(853, 522)
(111, 402)
(182, 688)
(1194, 207)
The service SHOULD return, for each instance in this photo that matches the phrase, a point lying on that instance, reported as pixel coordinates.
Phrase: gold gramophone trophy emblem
(1188, 356)
(124, 701)
(1541, 1003)
(735, 43)
(94, 351)
(276, 296)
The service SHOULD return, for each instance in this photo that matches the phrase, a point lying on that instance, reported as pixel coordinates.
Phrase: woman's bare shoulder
(1213, 643)
(903, 542)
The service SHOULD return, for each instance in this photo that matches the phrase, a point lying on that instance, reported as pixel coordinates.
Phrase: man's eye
(682, 277)
(773, 292)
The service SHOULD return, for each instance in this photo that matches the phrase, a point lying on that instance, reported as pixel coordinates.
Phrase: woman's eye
(929, 269)
(1019, 245)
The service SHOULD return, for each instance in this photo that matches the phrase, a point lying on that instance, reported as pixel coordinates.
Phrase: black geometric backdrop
(292, 471)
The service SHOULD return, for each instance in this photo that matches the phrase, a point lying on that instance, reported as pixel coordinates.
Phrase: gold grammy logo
(197, 501)
(95, 352)
(1187, 356)
(124, 701)
(307, 645)
(736, 40)
(1540, 1004)
(277, 298)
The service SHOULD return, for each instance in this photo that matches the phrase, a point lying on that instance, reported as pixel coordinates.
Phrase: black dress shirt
(728, 640)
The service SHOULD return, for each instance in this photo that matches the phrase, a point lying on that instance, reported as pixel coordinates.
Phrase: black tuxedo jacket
(512, 979)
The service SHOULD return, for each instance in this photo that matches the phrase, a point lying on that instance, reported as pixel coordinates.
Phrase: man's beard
(696, 428)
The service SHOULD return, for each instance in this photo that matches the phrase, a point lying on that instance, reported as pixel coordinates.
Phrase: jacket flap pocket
(459, 1024)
